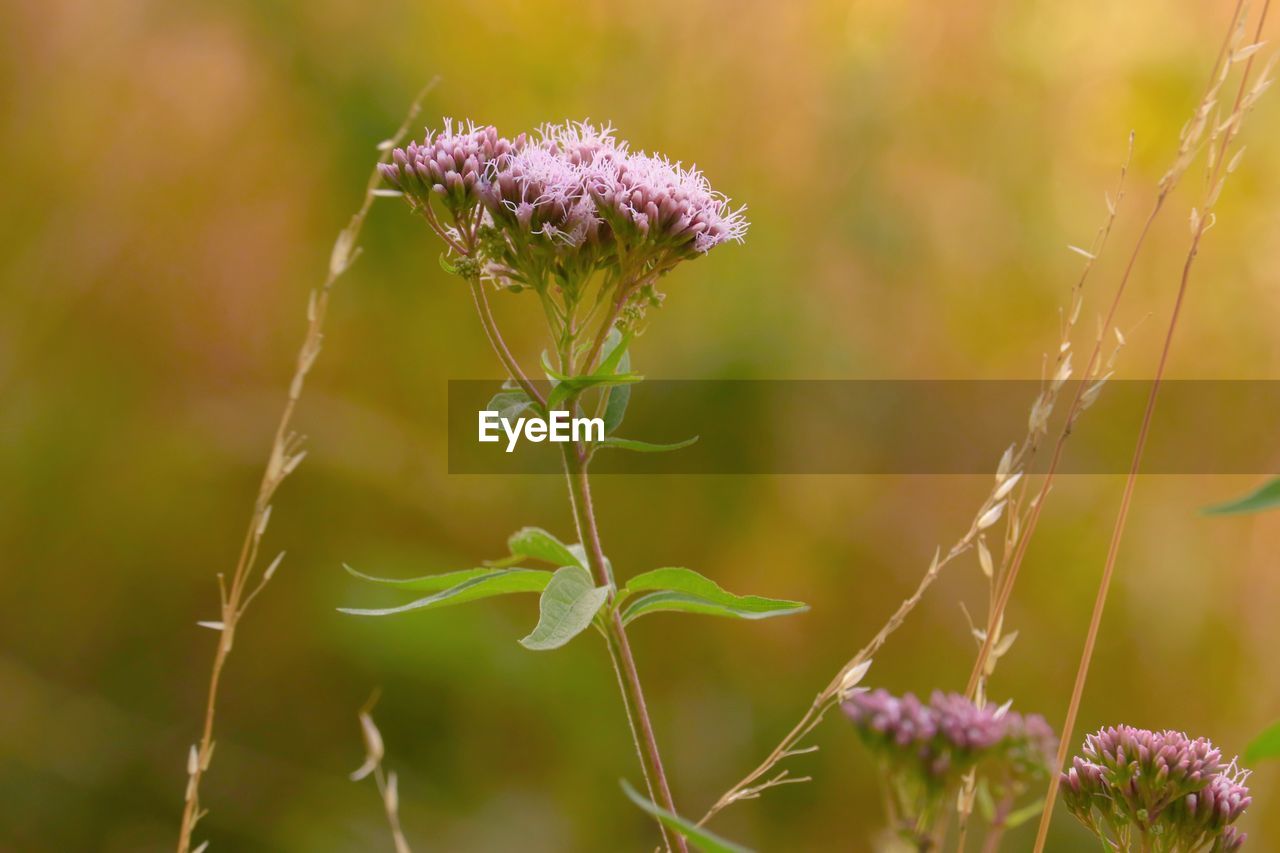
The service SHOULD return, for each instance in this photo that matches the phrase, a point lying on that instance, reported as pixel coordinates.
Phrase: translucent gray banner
(894, 427)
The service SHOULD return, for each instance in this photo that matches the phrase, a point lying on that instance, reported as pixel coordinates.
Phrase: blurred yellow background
(173, 176)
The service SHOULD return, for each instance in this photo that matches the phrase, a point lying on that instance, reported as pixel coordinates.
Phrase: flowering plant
(1159, 791)
(926, 750)
(573, 215)
(551, 210)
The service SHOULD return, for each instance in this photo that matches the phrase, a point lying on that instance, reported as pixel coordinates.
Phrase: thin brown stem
(1012, 466)
(388, 787)
(285, 455)
(499, 345)
(1201, 222)
(1005, 589)
(750, 786)
(1188, 145)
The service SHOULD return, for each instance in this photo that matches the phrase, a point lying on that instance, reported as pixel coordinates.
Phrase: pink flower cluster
(451, 164)
(566, 200)
(1157, 783)
(945, 737)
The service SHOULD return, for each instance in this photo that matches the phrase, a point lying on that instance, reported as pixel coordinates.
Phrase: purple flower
(651, 201)
(556, 207)
(946, 737)
(1230, 840)
(925, 750)
(965, 725)
(900, 722)
(450, 164)
(1158, 783)
(536, 194)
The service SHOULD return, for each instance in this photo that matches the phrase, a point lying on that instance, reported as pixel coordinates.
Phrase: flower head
(1161, 783)
(562, 204)
(926, 749)
(650, 200)
(450, 164)
(541, 214)
(944, 738)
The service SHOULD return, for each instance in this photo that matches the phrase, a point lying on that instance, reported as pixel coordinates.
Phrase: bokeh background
(173, 175)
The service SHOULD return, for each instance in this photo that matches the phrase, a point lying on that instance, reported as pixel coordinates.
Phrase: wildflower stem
(1201, 223)
(575, 465)
(284, 457)
(499, 345)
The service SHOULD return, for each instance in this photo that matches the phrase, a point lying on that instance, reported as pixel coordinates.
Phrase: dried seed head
(1002, 491)
(991, 516)
(849, 682)
(984, 559)
(373, 747)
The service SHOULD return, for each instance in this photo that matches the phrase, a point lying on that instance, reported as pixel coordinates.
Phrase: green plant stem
(575, 467)
(491, 331)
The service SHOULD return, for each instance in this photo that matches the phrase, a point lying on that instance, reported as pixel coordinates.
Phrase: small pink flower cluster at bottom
(1160, 784)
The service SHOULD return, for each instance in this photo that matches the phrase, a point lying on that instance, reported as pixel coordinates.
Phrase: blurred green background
(173, 176)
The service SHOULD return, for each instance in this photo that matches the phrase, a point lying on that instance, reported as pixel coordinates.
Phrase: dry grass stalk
(1019, 532)
(1190, 142)
(1018, 525)
(285, 456)
(1222, 134)
(388, 787)
(1003, 501)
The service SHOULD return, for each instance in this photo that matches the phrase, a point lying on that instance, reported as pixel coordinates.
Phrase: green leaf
(1265, 745)
(447, 266)
(559, 394)
(567, 388)
(617, 398)
(428, 583)
(1020, 816)
(458, 588)
(537, 544)
(1264, 497)
(643, 446)
(549, 370)
(986, 803)
(700, 838)
(686, 591)
(581, 383)
(615, 350)
(614, 369)
(615, 407)
(566, 608)
(509, 404)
